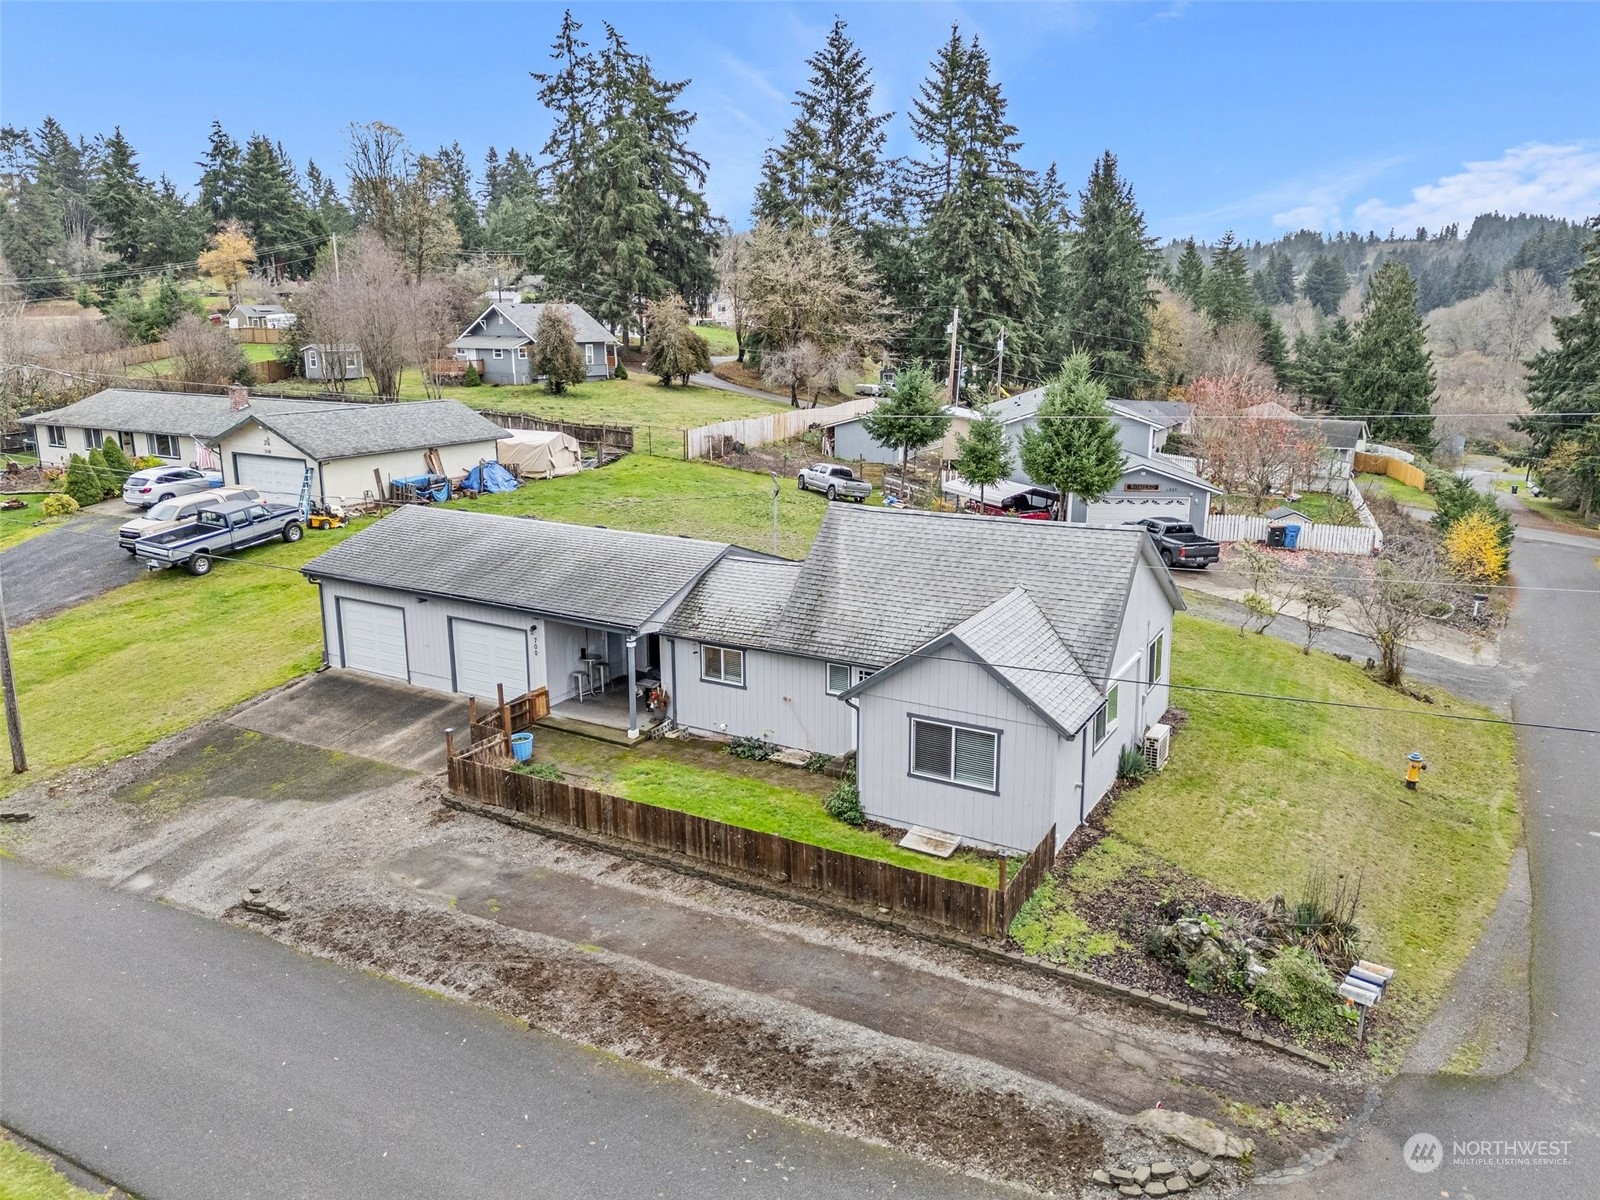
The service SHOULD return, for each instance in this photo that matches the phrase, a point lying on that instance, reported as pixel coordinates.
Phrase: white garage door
(373, 637)
(277, 479)
(487, 657)
(1117, 510)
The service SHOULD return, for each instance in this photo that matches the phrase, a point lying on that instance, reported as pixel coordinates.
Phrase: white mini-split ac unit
(1157, 745)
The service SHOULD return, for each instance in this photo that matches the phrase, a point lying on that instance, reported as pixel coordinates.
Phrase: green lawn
(23, 523)
(1402, 493)
(702, 778)
(1553, 511)
(663, 495)
(259, 351)
(25, 1176)
(1259, 793)
(720, 340)
(91, 690)
(1319, 506)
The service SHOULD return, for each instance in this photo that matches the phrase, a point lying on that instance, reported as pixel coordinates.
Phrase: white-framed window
(722, 664)
(864, 673)
(1155, 660)
(93, 439)
(522, 353)
(955, 753)
(311, 360)
(461, 352)
(1105, 721)
(499, 353)
(350, 361)
(165, 445)
(838, 678)
(56, 435)
(588, 354)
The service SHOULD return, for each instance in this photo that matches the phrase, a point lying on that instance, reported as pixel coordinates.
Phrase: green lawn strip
(703, 779)
(20, 524)
(146, 660)
(1321, 507)
(1402, 493)
(259, 351)
(719, 338)
(1259, 793)
(27, 1176)
(662, 495)
(1553, 511)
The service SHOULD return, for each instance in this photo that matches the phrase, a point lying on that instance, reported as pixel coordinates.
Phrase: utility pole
(19, 757)
(955, 329)
(1000, 371)
(774, 475)
(335, 239)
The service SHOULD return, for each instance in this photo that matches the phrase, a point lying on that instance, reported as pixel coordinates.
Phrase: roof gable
(353, 430)
(525, 318)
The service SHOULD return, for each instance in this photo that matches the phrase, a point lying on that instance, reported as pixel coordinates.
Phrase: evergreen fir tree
(121, 200)
(1317, 369)
(1274, 345)
(1388, 374)
(911, 416)
(983, 455)
(271, 206)
(1108, 294)
(571, 94)
(555, 350)
(1189, 277)
(1226, 295)
(172, 233)
(452, 160)
(221, 177)
(32, 231)
(1566, 377)
(1050, 222)
(1274, 282)
(82, 483)
(1325, 284)
(1074, 446)
(827, 170)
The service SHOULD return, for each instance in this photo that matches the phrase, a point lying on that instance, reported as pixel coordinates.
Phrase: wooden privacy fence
(1382, 464)
(717, 441)
(607, 441)
(1330, 539)
(260, 337)
(482, 773)
(505, 719)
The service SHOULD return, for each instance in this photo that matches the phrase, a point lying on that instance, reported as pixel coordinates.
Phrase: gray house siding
(852, 443)
(1198, 499)
(510, 368)
(331, 366)
(785, 700)
(1034, 767)
(1137, 437)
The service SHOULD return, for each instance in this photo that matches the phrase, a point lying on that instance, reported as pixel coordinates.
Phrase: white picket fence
(1330, 539)
(714, 441)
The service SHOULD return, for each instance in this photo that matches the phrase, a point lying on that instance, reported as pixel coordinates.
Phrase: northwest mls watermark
(1423, 1152)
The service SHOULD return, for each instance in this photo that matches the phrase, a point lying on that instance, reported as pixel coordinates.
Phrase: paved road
(1555, 1094)
(65, 566)
(707, 379)
(185, 1058)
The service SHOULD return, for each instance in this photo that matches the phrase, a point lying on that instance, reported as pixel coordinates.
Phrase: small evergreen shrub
(753, 748)
(844, 804)
(1132, 764)
(58, 504)
(621, 371)
(103, 475)
(117, 462)
(83, 484)
(472, 378)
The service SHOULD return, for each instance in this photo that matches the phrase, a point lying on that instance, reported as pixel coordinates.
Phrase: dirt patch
(27, 479)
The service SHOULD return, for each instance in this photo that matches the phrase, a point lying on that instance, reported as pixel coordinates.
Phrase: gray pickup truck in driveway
(219, 531)
(834, 481)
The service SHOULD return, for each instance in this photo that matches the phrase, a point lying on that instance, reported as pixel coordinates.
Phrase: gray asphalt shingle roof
(880, 583)
(352, 430)
(738, 602)
(1163, 414)
(599, 577)
(165, 412)
(526, 318)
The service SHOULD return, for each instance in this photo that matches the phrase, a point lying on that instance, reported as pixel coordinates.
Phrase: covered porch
(607, 713)
(605, 677)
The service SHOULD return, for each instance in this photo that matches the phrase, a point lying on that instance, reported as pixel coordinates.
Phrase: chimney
(238, 397)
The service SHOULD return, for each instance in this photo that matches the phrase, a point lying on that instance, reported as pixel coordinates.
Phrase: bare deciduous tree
(1233, 352)
(402, 197)
(204, 353)
(373, 306)
(1246, 443)
(729, 265)
(1398, 596)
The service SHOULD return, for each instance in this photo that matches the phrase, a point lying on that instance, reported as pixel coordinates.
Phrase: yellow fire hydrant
(1414, 769)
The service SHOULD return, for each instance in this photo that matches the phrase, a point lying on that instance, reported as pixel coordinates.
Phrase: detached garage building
(461, 601)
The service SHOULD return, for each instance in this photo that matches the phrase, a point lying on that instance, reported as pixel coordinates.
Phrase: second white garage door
(488, 657)
(277, 479)
(372, 638)
(1123, 509)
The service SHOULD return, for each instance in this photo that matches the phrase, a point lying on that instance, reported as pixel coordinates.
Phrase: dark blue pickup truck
(219, 531)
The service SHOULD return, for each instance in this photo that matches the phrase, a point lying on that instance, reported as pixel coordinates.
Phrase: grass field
(1319, 506)
(25, 1176)
(719, 339)
(1260, 793)
(23, 523)
(91, 690)
(703, 779)
(663, 495)
(1402, 493)
(259, 352)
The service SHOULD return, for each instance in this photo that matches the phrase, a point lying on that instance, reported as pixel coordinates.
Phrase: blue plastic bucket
(522, 747)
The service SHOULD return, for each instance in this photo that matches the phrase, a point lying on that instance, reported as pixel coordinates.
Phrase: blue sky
(1257, 117)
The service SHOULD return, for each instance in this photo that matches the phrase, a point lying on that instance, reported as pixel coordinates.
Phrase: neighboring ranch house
(322, 362)
(500, 343)
(260, 316)
(352, 450)
(268, 443)
(988, 674)
(1341, 437)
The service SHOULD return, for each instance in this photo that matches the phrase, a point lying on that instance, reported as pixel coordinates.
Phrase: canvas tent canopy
(541, 453)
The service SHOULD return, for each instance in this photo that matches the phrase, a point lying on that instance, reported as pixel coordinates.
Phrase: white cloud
(1537, 177)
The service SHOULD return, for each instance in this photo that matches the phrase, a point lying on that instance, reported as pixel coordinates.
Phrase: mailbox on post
(1364, 986)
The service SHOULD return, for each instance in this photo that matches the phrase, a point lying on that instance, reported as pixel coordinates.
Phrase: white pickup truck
(834, 482)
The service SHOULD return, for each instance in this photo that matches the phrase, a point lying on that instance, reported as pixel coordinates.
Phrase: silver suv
(155, 484)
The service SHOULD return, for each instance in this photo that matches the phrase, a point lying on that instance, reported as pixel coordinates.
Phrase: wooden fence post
(449, 744)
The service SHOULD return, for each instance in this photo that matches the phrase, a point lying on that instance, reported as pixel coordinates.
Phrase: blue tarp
(431, 487)
(489, 477)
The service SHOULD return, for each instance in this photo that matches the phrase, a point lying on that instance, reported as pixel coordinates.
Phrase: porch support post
(633, 691)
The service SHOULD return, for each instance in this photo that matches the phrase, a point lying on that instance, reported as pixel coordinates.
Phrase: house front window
(1105, 721)
(522, 353)
(955, 753)
(93, 438)
(165, 445)
(461, 353)
(1158, 649)
(722, 664)
(588, 354)
(499, 353)
(56, 435)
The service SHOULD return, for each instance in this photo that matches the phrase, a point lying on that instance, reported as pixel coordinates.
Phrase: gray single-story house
(987, 674)
(321, 361)
(499, 342)
(1342, 438)
(269, 443)
(259, 316)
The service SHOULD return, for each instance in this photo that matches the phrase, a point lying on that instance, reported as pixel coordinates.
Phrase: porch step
(588, 729)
